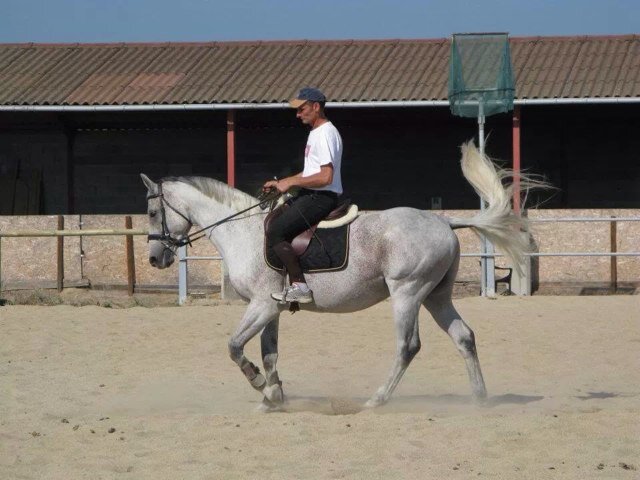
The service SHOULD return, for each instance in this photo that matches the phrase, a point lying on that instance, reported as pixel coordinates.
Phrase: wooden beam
(516, 159)
(131, 263)
(231, 148)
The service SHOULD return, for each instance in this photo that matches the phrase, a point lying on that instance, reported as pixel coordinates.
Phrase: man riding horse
(320, 183)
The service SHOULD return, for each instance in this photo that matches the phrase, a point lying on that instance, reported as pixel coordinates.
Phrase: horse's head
(168, 222)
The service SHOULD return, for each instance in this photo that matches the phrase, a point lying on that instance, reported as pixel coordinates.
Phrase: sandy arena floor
(149, 393)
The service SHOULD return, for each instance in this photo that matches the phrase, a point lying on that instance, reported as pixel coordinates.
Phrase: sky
(63, 21)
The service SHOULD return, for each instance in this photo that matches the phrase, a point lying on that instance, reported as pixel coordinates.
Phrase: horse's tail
(506, 230)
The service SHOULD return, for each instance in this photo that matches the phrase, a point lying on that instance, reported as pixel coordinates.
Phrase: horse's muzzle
(162, 260)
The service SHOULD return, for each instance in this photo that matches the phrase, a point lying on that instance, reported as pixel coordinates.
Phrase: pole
(487, 263)
(183, 275)
(614, 258)
(231, 148)
(131, 264)
(516, 159)
(60, 256)
(72, 233)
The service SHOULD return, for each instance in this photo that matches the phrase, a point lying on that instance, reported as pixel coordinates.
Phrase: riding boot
(285, 252)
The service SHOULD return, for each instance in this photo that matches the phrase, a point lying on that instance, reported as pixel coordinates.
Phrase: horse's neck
(238, 234)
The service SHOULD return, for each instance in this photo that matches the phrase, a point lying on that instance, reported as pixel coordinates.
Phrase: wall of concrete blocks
(101, 261)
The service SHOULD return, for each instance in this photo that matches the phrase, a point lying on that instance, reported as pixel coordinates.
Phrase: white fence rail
(613, 253)
(184, 258)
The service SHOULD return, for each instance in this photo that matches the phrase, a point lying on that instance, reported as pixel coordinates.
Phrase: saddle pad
(328, 251)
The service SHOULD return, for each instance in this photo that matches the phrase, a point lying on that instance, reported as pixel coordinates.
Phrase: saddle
(333, 240)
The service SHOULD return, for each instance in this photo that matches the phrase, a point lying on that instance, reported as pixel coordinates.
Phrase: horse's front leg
(273, 395)
(257, 316)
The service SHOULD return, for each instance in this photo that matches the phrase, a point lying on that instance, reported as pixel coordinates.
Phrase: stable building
(79, 122)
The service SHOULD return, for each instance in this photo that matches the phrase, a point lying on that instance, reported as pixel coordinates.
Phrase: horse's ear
(151, 186)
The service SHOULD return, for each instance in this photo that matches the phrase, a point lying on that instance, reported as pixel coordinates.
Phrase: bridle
(165, 237)
(170, 242)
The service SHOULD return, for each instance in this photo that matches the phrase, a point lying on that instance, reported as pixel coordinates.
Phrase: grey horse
(408, 254)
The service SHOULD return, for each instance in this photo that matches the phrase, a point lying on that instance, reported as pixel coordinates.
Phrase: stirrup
(280, 297)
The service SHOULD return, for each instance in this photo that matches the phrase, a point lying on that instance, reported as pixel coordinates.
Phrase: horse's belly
(348, 296)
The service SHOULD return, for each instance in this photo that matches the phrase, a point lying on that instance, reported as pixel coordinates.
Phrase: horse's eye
(152, 213)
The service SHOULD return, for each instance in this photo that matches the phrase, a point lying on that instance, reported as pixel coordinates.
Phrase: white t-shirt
(324, 146)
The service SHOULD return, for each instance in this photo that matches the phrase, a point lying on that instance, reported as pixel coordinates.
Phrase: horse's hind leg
(405, 309)
(273, 395)
(447, 317)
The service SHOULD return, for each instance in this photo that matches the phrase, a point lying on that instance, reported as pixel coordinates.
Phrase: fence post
(60, 256)
(614, 259)
(490, 285)
(183, 274)
(131, 264)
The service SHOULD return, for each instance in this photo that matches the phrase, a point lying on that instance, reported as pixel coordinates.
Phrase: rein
(166, 238)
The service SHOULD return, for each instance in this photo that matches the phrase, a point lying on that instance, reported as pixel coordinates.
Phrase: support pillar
(231, 148)
(521, 283)
(516, 159)
(227, 291)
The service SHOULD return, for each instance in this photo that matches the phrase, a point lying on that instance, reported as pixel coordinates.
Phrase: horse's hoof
(374, 402)
(481, 400)
(269, 407)
(274, 393)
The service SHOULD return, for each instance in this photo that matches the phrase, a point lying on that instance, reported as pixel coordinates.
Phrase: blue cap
(307, 94)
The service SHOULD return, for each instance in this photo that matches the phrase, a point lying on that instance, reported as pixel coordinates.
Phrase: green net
(480, 74)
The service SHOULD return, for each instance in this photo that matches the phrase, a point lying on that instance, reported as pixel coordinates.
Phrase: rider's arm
(317, 180)
(321, 179)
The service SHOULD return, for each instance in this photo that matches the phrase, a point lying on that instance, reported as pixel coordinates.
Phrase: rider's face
(308, 112)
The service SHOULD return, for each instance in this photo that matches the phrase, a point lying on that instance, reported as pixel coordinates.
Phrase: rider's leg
(285, 252)
(303, 211)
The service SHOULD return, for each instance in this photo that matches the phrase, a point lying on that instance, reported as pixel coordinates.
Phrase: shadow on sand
(401, 404)
(600, 395)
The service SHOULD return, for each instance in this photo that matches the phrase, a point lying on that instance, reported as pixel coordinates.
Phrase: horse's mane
(217, 190)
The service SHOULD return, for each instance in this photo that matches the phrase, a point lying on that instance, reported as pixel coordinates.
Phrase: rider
(320, 184)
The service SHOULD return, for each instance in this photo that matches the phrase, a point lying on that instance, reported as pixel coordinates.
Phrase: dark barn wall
(99, 156)
(392, 156)
(26, 147)
(108, 164)
(591, 153)
(407, 157)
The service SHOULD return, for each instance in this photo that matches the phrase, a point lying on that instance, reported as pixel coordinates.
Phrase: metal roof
(354, 71)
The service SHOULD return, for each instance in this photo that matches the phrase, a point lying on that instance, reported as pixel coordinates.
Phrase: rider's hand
(270, 185)
(281, 185)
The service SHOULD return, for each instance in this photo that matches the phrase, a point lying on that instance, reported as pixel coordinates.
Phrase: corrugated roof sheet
(271, 72)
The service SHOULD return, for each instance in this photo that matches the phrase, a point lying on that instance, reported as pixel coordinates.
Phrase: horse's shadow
(400, 404)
